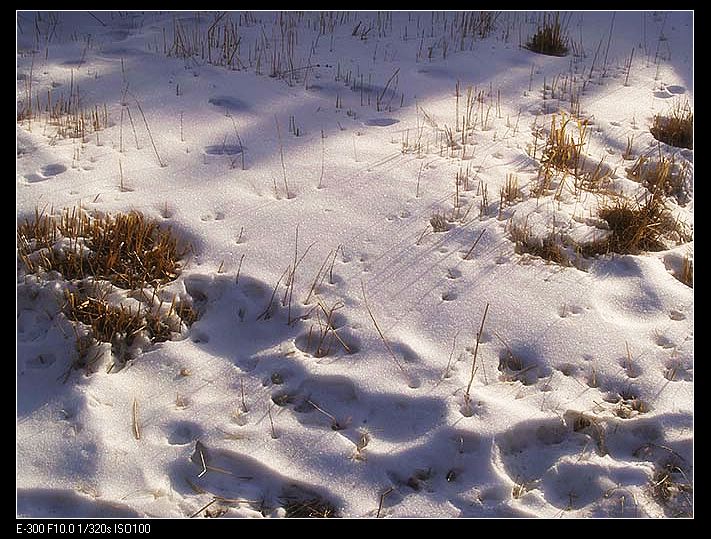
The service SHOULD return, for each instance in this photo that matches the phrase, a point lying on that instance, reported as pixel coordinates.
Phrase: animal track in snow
(328, 398)
(677, 315)
(229, 475)
(568, 369)
(664, 341)
(453, 273)
(549, 439)
(381, 122)
(35, 178)
(251, 313)
(570, 310)
(675, 371)
(231, 104)
(183, 432)
(41, 361)
(223, 149)
(32, 325)
(52, 169)
(210, 216)
(518, 365)
(449, 295)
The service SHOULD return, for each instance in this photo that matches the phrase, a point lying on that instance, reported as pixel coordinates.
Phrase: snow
(561, 435)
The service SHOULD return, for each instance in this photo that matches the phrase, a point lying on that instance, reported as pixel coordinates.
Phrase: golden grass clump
(510, 191)
(126, 249)
(548, 248)
(96, 253)
(661, 174)
(676, 128)
(636, 227)
(562, 151)
(549, 38)
(106, 321)
(121, 324)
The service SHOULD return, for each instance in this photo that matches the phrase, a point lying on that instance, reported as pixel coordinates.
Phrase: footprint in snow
(231, 475)
(35, 178)
(380, 122)
(570, 310)
(228, 103)
(223, 149)
(53, 169)
(453, 273)
(183, 432)
(118, 34)
(662, 94)
(677, 315)
(449, 295)
(41, 361)
(631, 368)
(209, 216)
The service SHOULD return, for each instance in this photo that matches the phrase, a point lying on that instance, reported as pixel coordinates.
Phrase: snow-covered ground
(243, 130)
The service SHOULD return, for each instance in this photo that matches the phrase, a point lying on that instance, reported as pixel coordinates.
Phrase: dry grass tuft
(662, 175)
(128, 250)
(671, 488)
(628, 404)
(119, 324)
(548, 248)
(563, 153)
(629, 408)
(592, 427)
(313, 508)
(687, 272)
(677, 128)
(95, 255)
(66, 115)
(549, 39)
(636, 227)
(439, 223)
(106, 321)
(187, 313)
(510, 192)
